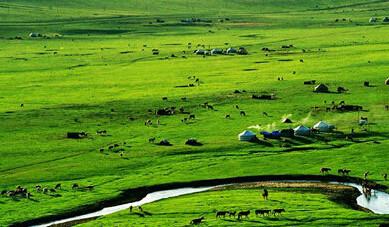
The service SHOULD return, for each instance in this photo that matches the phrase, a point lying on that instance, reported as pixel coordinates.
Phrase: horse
(324, 170)
(232, 213)
(278, 211)
(221, 214)
(262, 212)
(197, 221)
(243, 214)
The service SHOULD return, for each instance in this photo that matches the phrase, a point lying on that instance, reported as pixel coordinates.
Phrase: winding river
(378, 202)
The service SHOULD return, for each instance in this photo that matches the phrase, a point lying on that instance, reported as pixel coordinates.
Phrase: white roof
(301, 128)
(247, 133)
(321, 125)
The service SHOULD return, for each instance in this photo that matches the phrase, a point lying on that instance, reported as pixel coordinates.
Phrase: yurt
(302, 131)
(322, 126)
(246, 136)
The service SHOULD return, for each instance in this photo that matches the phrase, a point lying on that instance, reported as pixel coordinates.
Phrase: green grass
(72, 83)
(303, 208)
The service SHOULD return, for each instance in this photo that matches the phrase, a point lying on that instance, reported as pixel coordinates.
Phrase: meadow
(97, 72)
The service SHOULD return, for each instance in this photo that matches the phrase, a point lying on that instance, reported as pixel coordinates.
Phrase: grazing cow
(197, 221)
(52, 190)
(237, 107)
(227, 116)
(152, 140)
(220, 214)
(265, 114)
(58, 186)
(184, 99)
(45, 190)
(242, 214)
(325, 170)
(210, 107)
(140, 209)
(101, 149)
(164, 98)
(232, 213)
(262, 212)
(385, 175)
(192, 116)
(386, 107)
(75, 186)
(242, 113)
(278, 211)
(22, 105)
(111, 147)
(131, 209)
(302, 60)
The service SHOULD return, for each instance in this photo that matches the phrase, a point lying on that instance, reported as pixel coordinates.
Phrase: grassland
(101, 72)
(318, 209)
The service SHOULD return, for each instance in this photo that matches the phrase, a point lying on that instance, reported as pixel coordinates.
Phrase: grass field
(99, 73)
(318, 209)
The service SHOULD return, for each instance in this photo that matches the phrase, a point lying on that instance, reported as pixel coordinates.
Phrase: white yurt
(302, 131)
(322, 126)
(246, 136)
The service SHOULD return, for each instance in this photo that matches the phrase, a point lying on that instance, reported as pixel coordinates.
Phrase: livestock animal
(262, 212)
(101, 149)
(152, 140)
(366, 174)
(164, 98)
(265, 194)
(385, 175)
(192, 116)
(344, 172)
(278, 211)
(237, 107)
(242, 214)
(232, 213)
(90, 187)
(58, 186)
(220, 214)
(325, 170)
(227, 116)
(75, 186)
(242, 113)
(197, 221)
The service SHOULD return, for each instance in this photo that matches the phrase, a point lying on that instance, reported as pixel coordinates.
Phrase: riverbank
(136, 194)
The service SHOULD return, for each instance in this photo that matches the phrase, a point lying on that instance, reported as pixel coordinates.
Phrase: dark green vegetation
(97, 72)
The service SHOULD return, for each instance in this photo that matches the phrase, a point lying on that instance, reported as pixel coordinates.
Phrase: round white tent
(322, 126)
(302, 131)
(246, 136)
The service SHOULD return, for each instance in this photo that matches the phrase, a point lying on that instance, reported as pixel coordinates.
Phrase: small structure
(165, 143)
(76, 135)
(302, 131)
(246, 136)
(321, 88)
(242, 51)
(373, 20)
(193, 142)
(216, 51)
(231, 51)
(322, 126)
(200, 52)
(387, 81)
(287, 133)
(271, 135)
(35, 35)
(287, 121)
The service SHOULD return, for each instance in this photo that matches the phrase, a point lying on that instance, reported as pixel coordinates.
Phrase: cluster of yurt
(320, 126)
